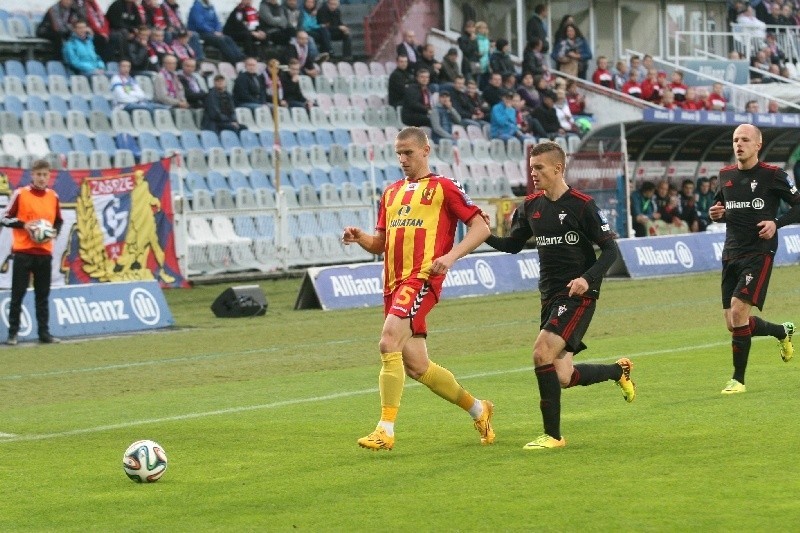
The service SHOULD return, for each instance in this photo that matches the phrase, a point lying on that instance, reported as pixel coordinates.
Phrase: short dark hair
(547, 147)
(219, 77)
(40, 164)
(647, 186)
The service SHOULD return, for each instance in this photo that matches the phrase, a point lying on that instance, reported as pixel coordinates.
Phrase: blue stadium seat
(170, 143)
(190, 140)
(357, 176)
(285, 178)
(36, 68)
(342, 136)
(217, 181)
(209, 139)
(338, 176)
(244, 226)
(194, 182)
(59, 144)
(126, 141)
(36, 104)
(99, 103)
(249, 140)
(2, 72)
(59, 104)
(237, 180)
(14, 105)
(267, 139)
(79, 103)
(15, 68)
(57, 67)
(104, 142)
(324, 138)
(259, 180)
(265, 226)
(288, 140)
(298, 178)
(82, 143)
(393, 173)
(305, 138)
(148, 141)
(229, 140)
(318, 177)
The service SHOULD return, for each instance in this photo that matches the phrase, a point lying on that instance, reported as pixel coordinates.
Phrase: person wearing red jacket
(716, 100)
(651, 88)
(28, 205)
(692, 102)
(677, 86)
(632, 87)
(603, 76)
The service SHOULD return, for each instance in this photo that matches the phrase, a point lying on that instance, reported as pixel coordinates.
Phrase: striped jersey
(420, 217)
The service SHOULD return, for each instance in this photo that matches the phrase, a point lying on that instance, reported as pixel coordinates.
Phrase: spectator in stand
(318, 33)
(761, 62)
(677, 86)
(108, 47)
(203, 19)
(192, 84)
(716, 100)
(417, 101)
(154, 14)
(500, 61)
(620, 74)
(632, 87)
(668, 204)
(443, 116)
(426, 60)
(536, 28)
(157, 47)
(668, 99)
(693, 101)
(647, 63)
(142, 62)
(275, 21)
(561, 32)
(400, 78)
(470, 111)
(751, 107)
(651, 88)
(485, 50)
(576, 101)
(493, 92)
(750, 24)
(290, 82)
(176, 27)
(547, 116)
(220, 113)
(79, 53)
(295, 16)
(533, 59)
(450, 67)
(300, 49)
(772, 107)
(126, 92)
(243, 26)
(167, 88)
(603, 76)
(704, 199)
(470, 55)
(636, 64)
(504, 119)
(527, 125)
(528, 92)
(181, 47)
(510, 83)
(774, 52)
(249, 88)
(573, 53)
(643, 208)
(565, 118)
(688, 210)
(330, 16)
(408, 47)
(57, 23)
(786, 16)
(125, 18)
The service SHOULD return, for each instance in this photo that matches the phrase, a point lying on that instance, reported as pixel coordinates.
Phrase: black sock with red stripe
(584, 374)
(740, 345)
(761, 328)
(550, 399)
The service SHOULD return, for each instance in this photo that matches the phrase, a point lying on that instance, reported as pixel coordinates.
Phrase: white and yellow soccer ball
(42, 231)
(145, 461)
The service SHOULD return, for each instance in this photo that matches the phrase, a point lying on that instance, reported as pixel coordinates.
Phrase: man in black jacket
(250, 89)
(399, 80)
(330, 16)
(220, 112)
(417, 101)
(537, 26)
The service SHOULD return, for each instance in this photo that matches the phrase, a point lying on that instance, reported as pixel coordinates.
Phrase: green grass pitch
(260, 416)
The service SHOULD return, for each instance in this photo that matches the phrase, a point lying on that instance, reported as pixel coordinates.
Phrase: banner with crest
(118, 225)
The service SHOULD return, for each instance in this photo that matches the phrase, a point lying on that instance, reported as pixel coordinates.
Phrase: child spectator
(652, 90)
(716, 100)
(677, 86)
(668, 99)
(692, 102)
(632, 87)
(603, 76)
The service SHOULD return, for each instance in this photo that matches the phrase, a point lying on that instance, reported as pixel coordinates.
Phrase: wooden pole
(273, 72)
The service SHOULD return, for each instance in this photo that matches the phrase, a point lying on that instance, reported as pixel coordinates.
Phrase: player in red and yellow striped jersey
(416, 227)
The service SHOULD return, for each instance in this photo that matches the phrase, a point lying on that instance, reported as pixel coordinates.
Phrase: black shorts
(569, 318)
(747, 278)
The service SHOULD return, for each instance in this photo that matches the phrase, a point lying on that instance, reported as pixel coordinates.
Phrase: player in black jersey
(565, 224)
(747, 201)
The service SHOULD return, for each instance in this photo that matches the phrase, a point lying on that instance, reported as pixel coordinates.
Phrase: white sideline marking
(7, 437)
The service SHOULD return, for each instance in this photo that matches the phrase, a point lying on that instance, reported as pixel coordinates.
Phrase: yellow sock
(442, 382)
(390, 384)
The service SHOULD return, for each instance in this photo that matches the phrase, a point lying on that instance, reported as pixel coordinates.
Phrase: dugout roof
(649, 141)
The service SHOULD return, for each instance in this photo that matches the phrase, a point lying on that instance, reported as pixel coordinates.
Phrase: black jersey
(565, 231)
(752, 196)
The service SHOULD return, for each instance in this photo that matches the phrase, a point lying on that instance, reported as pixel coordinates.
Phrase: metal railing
(744, 39)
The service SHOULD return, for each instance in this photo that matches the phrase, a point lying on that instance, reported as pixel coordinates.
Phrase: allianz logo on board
(25, 321)
(77, 310)
(528, 268)
(481, 273)
(792, 243)
(679, 255)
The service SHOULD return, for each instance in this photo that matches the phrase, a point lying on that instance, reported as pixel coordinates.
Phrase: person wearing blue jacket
(203, 19)
(504, 118)
(79, 53)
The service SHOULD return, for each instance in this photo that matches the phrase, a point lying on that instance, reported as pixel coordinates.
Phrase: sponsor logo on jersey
(729, 183)
(562, 309)
(536, 215)
(753, 185)
(406, 222)
(404, 210)
(571, 237)
(748, 278)
(757, 203)
(561, 217)
(412, 186)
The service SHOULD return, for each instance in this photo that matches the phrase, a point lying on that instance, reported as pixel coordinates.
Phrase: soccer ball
(42, 231)
(144, 461)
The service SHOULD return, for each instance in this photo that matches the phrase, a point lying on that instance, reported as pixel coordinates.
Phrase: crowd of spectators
(663, 209)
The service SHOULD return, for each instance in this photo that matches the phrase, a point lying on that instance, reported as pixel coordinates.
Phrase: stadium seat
(299, 158)
(141, 121)
(32, 122)
(148, 141)
(164, 122)
(239, 161)
(307, 196)
(190, 140)
(260, 160)
(149, 155)
(124, 158)
(82, 143)
(359, 102)
(100, 86)
(319, 118)
(286, 121)
(216, 182)
(298, 178)
(196, 160)
(126, 141)
(56, 68)
(99, 159)
(209, 139)
(307, 87)
(245, 198)
(146, 83)
(342, 137)
(35, 68)
(300, 118)
(260, 180)
(59, 105)
(288, 140)
(350, 194)
(337, 157)
(14, 106)
(79, 86)
(77, 160)
(267, 140)
(305, 138)
(217, 160)
(263, 119)
(244, 116)
(14, 87)
(15, 68)
(59, 144)
(357, 176)
(185, 121)
(170, 144)
(377, 69)
(13, 144)
(238, 180)
(229, 140)
(249, 140)
(357, 155)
